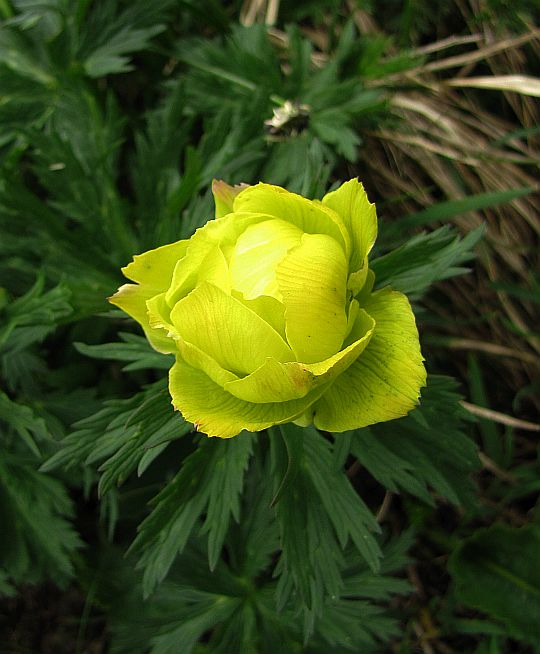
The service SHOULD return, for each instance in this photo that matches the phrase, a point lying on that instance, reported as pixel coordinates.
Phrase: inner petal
(312, 279)
(204, 261)
(256, 255)
(226, 330)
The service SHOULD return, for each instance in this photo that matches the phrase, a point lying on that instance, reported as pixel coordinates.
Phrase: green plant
(115, 118)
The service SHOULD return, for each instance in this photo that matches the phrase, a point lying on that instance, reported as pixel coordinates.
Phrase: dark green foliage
(317, 513)
(236, 603)
(425, 259)
(115, 118)
(404, 455)
(124, 436)
(496, 571)
(37, 538)
(210, 482)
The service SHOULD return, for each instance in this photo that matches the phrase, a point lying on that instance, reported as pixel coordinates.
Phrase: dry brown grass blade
(490, 348)
(476, 56)
(490, 465)
(516, 83)
(449, 42)
(445, 144)
(254, 11)
(497, 416)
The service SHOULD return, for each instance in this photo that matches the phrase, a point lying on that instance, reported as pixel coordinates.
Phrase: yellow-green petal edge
(215, 412)
(384, 382)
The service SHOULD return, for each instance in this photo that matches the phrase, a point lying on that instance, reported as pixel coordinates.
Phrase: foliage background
(115, 116)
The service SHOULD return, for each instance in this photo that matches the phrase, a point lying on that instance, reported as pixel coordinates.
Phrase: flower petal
(236, 337)
(350, 201)
(218, 413)
(257, 252)
(132, 299)
(312, 279)
(224, 195)
(159, 315)
(309, 216)
(196, 358)
(155, 267)
(204, 261)
(384, 383)
(268, 308)
(280, 382)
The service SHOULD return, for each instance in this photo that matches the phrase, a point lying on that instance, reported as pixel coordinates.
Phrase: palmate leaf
(209, 483)
(37, 539)
(34, 315)
(76, 223)
(22, 420)
(161, 185)
(190, 604)
(124, 436)
(230, 610)
(109, 34)
(318, 512)
(496, 570)
(425, 259)
(134, 349)
(427, 449)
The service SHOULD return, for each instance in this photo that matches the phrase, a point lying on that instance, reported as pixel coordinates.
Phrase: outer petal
(280, 382)
(132, 299)
(309, 216)
(224, 195)
(312, 279)
(153, 270)
(155, 267)
(236, 337)
(350, 201)
(218, 413)
(385, 381)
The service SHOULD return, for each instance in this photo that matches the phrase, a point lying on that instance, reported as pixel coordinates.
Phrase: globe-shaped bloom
(270, 314)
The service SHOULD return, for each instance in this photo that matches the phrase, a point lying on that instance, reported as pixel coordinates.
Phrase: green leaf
(34, 315)
(496, 571)
(427, 449)
(425, 259)
(210, 481)
(38, 540)
(124, 436)
(134, 349)
(293, 438)
(319, 505)
(389, 469)
(451, 208)
(24, 422)
(109, 58)
(108, 35)
(6, 589)
(349, 515)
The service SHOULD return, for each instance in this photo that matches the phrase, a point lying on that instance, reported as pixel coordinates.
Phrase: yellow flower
(270, 313)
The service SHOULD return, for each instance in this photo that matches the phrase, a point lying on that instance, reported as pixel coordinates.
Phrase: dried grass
(448, 142)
